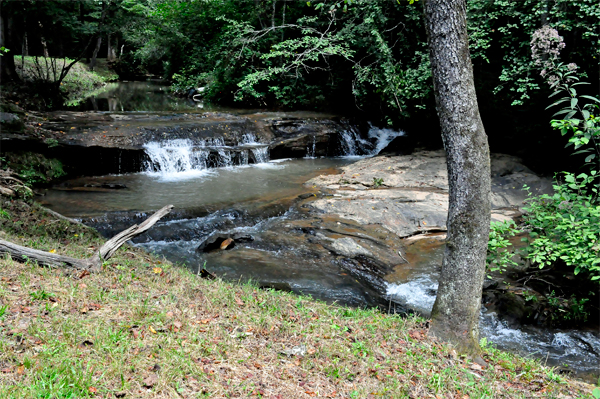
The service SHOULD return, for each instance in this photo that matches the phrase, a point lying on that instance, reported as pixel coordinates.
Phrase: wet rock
(284, 287)
(345, 247)
(223, 241)
(415, 199)
(488, 283)
(111, 186)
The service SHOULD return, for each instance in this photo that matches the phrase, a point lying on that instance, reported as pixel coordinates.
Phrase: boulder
(10, 123)
(411, 194)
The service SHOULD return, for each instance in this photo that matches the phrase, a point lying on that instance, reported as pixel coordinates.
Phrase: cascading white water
(311, 150)
(175, 156)
(382, 137)
(187, 158)
(244, 157)
(260, 152)
(354, 145)
(249, 138)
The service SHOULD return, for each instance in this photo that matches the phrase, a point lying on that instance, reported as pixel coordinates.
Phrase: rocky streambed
(360, 230)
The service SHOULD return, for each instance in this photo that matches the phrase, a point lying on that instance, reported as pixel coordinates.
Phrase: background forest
(365, 58)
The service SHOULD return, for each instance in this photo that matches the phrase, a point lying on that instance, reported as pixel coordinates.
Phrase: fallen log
(94, 263)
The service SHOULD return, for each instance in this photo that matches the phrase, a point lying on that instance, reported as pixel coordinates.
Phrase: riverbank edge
(144, 327)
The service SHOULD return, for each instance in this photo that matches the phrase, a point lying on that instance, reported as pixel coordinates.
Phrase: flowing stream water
(247, 193)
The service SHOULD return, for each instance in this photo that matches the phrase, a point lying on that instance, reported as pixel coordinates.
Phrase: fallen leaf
(226, 243)
(239, 302)
(157, 270)
(150, 381)
(475, 366)
(52, 251)
(91, 389)
(21, 370)
(152, 330)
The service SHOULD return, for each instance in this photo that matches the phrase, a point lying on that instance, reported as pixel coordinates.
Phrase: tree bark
(110, 54)
(92, 264)
(43, 40)
(99, 40)
(455, 314)
(8, 70)
(95, 53)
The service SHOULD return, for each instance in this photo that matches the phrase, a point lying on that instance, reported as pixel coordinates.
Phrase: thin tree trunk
(99, 40)
(257, 5)
(95, 53)
(273, 14)
(110, 54)
(455, 315)
(43, 40)
(25, 46)
(283, 19)
(8, 70)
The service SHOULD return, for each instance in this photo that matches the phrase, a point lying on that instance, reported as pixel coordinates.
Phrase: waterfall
(311, 150)
(249, 138)
(244, 157)
(382, 137)
(353, 144)
(175, 156)
(260, 152)
(184, 156)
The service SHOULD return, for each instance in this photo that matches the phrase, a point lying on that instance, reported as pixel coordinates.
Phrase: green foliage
(40, 295)
(500, 33)
(566, 225)
(78, 81)
(51, 142)
(377, 181)
(578, 120)
(498, 255)
(35, 168)
(569, 309)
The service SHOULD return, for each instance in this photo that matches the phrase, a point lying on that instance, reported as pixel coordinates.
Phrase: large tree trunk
(455, 315)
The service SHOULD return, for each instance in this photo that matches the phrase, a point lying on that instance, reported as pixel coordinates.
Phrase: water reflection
(137, 96)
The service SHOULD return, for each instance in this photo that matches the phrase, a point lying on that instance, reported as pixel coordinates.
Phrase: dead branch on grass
(94, 263)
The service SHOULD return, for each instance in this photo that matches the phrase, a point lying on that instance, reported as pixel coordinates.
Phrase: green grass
(78, 82)
(145, 328)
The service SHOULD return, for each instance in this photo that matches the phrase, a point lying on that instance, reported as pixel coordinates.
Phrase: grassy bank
(144, 328)
(78, 82)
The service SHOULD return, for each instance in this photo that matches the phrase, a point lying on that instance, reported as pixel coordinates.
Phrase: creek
(235, 189)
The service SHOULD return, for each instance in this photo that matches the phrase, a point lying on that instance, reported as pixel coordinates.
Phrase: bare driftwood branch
(94, 263)
(109, 248)
(62, 217)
